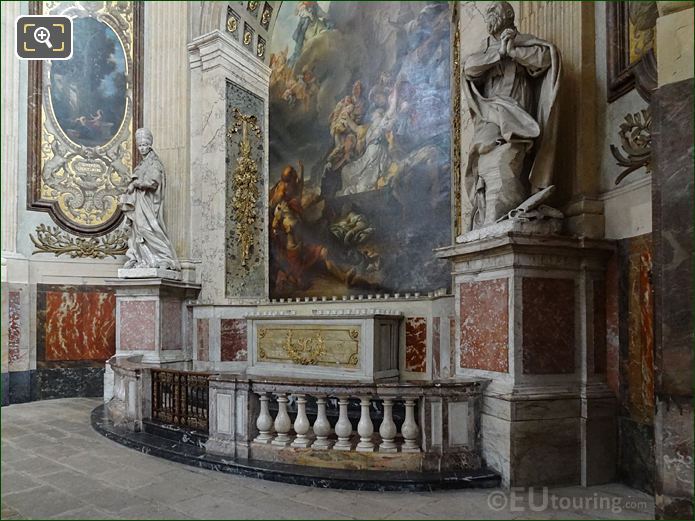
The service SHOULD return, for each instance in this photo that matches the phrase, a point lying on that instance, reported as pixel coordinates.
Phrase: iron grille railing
(180, 398)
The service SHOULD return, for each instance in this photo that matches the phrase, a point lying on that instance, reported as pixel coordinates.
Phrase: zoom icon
(43, 37)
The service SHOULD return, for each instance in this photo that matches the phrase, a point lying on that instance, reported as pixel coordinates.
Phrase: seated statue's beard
(495, 26)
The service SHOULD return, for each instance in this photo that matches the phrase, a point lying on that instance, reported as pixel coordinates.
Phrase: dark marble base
(5, 389)
(636, 460)
(176, 434)
(22, 386)
(294, 474)
(69, 382)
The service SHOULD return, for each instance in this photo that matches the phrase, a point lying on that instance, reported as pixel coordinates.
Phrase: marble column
(165, 111)
(672, 206)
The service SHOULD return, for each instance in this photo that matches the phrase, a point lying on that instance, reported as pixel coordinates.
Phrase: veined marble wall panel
(75, 323)
(166, 93)
(216, 59)
(245, 191)
(627, 206)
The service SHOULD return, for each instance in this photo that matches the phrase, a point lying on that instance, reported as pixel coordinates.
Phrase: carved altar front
(359, 345)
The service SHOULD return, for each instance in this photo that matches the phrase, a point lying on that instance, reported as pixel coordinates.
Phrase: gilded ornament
(265, 17)
(260, 49)
(247, 38)
(354, 334)
(305, 351)
(636, 141)
(51, 239)
(232, 24)
(245, 184)
(252, 6)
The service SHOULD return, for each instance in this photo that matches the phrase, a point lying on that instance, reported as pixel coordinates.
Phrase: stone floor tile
(38, 466)
(75, 483)
(129, 478)
(42, 502)
(114, 500)
(85, 513)
(9, 513)
(172, 489)
(17, 482)
(215, 507)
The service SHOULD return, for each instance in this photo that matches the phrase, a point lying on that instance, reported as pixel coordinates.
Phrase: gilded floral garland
(245, 184)
(51, 239)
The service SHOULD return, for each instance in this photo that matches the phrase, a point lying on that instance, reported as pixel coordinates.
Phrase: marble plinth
(145, 273)
(525, 305)
(152, 318)
(540, 227)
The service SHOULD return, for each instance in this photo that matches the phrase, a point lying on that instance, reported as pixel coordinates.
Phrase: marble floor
(54, 466)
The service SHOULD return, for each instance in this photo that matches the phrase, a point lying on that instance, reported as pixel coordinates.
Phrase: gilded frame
(624, 75)
(40, 141)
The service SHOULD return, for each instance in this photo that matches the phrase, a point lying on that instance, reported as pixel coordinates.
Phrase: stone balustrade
(403, 426)
(281, 431)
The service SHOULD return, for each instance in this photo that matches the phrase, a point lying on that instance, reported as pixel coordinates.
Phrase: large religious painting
(82, 116)
(360, 142)
(631, 39)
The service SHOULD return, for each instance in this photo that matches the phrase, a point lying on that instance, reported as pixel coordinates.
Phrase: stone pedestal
(531, 318)
(152, 318)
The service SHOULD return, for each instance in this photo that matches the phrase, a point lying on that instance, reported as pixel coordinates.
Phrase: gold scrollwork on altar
(83, 114)
(326, 346)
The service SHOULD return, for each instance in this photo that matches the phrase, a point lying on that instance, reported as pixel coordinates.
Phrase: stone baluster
(322, 427)
(410, 430)
(365, 428)
(301, 424)
(283, 424)
(264, 422)
(387, 429)
(343, 428)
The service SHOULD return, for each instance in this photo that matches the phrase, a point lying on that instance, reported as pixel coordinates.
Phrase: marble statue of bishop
(142, 204)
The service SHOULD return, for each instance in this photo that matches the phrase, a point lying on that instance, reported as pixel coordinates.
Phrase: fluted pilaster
(10, 128)
(572, 28)
(166, 92)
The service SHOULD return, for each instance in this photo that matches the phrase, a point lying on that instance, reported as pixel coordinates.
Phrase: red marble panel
(171, 325)
(484, 311)
(14, 326)
(233, 339)
(436, 347)
(640, 330)
(138, 324)
(613, 325)
(79, 325)
(416, 344)
(203, 337)
(548, 325)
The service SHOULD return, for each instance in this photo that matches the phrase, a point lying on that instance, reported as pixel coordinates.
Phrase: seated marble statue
(510, 86)
(142, 204)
